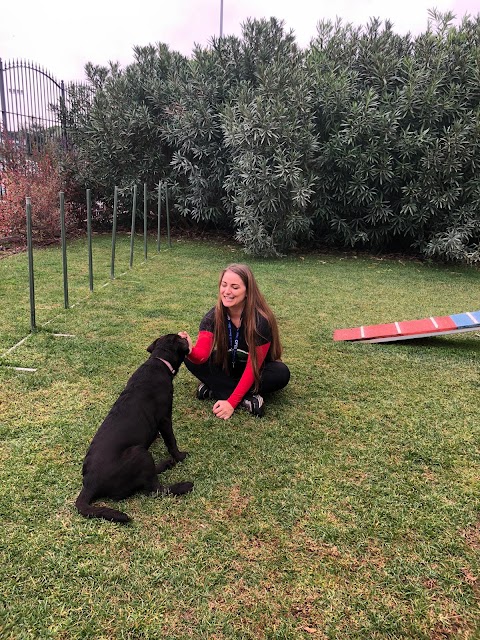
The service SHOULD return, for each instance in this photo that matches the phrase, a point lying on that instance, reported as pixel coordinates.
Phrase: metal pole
(89, 237)
(30, 264)
(114, 232)
(3, 104)
(63, 115)
(221, 18)
(159, 213)
(168, 215)
(64, 248)
(132, 228)
(145, 205)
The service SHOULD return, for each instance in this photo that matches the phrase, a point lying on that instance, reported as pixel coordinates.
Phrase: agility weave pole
(410, 329)
(161, 189)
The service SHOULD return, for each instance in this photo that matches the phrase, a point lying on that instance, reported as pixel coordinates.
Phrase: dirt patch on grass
(471, 535)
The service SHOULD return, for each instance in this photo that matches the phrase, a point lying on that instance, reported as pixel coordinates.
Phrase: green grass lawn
(350, 511)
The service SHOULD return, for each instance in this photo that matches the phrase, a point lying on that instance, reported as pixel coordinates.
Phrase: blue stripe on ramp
(463, 320)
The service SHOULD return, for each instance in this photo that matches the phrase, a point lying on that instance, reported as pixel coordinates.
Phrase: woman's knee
(283, 373)
(275, 376)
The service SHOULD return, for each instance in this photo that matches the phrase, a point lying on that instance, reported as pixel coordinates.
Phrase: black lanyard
(233, 344)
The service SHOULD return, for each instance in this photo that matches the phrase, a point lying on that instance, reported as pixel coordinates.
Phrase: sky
(62, 39)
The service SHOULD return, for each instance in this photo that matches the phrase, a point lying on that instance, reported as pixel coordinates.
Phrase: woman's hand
(223, 409)
(184, 334)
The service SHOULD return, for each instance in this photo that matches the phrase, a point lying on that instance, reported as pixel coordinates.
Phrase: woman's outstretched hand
(223, 409)
(184, 334)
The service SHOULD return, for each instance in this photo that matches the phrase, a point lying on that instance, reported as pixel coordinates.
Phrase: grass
(349, 511)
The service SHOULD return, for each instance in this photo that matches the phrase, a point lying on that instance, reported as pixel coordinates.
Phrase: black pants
(273, 376)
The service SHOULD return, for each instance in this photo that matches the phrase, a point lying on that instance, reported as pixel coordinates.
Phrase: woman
(237, 353)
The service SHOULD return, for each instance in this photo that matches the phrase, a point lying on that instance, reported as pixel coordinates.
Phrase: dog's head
(170, 347)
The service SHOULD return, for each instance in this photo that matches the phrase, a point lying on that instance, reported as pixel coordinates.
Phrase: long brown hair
(255, 304)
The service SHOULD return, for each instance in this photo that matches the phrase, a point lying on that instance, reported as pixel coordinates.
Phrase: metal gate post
(3, 104)
(63, 115)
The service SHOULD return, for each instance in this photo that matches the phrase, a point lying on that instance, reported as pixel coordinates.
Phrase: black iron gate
(32, 106)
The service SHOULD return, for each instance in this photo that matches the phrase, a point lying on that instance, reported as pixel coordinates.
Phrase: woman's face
(232, 291)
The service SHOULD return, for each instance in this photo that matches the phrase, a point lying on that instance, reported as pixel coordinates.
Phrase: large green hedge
(365, 139)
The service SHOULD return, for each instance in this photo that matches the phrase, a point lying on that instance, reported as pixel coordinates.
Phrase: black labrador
(118, 462)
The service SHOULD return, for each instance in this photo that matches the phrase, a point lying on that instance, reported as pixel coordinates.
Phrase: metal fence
(33, 105)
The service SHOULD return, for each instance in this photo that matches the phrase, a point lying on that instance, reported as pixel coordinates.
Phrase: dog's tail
(84, 506)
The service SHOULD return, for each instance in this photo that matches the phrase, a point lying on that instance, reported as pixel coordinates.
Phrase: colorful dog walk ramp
(409, 329)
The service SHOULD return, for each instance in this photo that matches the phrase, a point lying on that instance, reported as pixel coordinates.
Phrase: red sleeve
(246, 381)
(202, 348)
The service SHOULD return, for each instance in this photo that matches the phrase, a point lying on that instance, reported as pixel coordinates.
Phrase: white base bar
(432, 334)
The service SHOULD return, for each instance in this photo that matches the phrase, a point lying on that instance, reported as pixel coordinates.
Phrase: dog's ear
(152, 346)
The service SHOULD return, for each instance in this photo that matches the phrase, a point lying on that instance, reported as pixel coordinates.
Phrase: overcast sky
(62, 37)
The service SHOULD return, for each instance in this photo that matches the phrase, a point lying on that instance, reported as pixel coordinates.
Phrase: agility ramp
(410, 329)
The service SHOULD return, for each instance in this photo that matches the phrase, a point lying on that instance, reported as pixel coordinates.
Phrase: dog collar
(169, 366)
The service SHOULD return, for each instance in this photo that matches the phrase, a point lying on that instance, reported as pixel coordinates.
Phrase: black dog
(118, 462)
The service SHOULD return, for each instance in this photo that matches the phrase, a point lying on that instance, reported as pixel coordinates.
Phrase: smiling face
(232, 292)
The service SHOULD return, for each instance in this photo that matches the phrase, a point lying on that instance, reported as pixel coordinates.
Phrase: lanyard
(233, 344)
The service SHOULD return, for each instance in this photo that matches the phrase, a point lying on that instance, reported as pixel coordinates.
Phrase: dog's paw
(181, 455)
(162, 466)
(180, 488)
